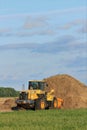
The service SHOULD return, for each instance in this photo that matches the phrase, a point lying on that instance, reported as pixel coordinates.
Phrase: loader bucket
(60, 102)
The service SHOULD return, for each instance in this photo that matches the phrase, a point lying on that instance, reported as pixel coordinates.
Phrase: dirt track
(71, 90)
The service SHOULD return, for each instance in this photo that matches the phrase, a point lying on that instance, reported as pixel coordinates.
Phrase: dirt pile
(6, 104)
(71, 90)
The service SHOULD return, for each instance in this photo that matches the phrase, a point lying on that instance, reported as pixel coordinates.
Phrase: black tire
(16, 108)
(40, 104)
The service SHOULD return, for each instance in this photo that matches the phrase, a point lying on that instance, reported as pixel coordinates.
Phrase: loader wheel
(40, 104)
(55, 103)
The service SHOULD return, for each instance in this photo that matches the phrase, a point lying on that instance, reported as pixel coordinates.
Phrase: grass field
(44, 120)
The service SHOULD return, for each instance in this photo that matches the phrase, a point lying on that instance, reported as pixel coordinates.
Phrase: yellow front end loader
(36, 97)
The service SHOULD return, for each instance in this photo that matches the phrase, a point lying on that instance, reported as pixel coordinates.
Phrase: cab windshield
(36, 85)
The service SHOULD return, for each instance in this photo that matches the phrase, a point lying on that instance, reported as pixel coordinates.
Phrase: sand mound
(6, 104)
(71, 90)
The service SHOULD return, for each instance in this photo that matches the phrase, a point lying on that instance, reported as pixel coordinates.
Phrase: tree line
(8, 92)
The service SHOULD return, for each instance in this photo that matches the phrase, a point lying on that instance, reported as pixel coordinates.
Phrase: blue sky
(39, 39)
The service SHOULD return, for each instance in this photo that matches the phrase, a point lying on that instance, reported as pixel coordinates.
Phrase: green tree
(8, 92)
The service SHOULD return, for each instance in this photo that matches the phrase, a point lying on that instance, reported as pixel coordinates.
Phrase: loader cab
(37, 85)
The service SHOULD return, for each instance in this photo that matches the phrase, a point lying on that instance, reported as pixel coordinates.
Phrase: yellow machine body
(36, 96)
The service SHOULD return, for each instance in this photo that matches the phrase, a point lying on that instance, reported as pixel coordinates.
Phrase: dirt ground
(72, 91)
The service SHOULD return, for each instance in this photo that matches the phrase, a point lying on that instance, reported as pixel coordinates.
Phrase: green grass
(44, 120)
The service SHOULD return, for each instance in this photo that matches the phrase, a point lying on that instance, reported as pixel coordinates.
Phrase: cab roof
(36, 81)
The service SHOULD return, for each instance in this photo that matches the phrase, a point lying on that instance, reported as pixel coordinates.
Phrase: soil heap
(73, 92)
(6, 104)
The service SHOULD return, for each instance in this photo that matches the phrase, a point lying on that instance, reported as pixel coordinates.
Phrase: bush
(8, 92)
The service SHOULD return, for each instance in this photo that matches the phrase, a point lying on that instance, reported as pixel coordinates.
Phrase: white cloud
(74, 23)
(35, 22)
(83, 29)
(40, 32)
(66, 43)
(45, 14)
(5, 31)
(47, 47)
